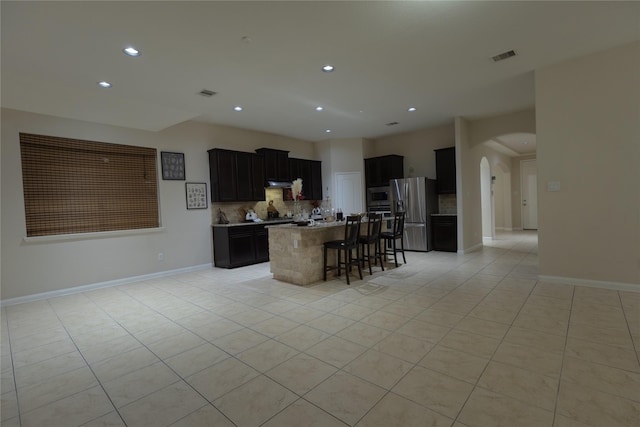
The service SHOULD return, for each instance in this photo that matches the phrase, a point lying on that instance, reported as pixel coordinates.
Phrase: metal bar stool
(393, 236)
(350, 242)
(374, 226)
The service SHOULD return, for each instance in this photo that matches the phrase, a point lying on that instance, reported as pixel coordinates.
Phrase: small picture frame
(196, 195)
(172, 166)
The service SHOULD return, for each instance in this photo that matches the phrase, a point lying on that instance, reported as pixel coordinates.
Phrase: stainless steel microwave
(378, 196)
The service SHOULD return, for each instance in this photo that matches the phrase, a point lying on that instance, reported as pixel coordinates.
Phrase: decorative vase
(297, 210)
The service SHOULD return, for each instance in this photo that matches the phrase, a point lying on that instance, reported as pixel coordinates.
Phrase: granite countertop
(318, 225)
(265, 222)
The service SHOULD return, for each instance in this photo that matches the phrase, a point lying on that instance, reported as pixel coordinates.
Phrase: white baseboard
(470, 249)
(93, 286)
(616, 286)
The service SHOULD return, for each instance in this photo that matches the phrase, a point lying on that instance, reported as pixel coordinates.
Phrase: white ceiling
(267, 56)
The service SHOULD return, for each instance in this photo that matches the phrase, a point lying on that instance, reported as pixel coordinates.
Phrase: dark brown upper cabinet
(276, 164)
(310, 171)
(446, 170)
(380, 170)
(235, 176)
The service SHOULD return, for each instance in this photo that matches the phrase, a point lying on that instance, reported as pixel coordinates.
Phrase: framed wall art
(196, 195)
(172, 165)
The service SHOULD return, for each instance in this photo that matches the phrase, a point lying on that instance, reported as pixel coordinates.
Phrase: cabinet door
(445, 234)
(372, 172)
(316, 180)
(446, 170)
(295, 169)
(305, 174)
(283, 166)
(380, 170)
(241, 247)
(276, 164)
(257, 176)
(397, 168)
(262, 244)
(225, 170)
(243, 176)
(390, 167)
(271, 166)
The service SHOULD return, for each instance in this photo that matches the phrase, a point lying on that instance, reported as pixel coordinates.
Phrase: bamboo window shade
(73, 186)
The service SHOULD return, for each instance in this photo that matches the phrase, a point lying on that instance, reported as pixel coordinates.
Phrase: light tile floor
(445, 340)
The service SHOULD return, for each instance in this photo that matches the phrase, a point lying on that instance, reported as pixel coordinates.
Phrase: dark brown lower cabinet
(240, 245)
(445, 233)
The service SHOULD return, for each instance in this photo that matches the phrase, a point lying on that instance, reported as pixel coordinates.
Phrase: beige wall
(341, 155)
(417, 148)
(588, 136)
(32, 268)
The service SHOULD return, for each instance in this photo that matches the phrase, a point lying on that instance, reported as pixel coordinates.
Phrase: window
(73, 186)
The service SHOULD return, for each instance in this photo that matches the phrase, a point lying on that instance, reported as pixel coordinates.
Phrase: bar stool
(374, 226)
(350, 242)
(393, 236)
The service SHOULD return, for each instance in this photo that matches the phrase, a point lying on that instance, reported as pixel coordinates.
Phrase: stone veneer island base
(296, 253)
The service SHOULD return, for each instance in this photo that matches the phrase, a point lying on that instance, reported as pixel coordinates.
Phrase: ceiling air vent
(504, 55)
(206, 92)
(392, 123)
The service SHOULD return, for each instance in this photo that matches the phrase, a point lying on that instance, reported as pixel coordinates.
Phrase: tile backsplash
(235, 210)
(447, 204)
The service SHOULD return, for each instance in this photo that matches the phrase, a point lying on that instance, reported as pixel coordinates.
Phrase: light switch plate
(553, 186)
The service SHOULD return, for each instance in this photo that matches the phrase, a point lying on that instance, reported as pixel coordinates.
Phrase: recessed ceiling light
(327, 68)
(412, 109)
(104, 84)
(328, 130)
(238, 108)
(131, 51)
(525, 142)
(319, 108)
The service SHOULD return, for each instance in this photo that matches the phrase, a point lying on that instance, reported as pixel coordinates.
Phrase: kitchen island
(240, 244)
(296, 253)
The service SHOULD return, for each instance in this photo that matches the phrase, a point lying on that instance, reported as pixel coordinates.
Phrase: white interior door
(529, 180)
(348, 192)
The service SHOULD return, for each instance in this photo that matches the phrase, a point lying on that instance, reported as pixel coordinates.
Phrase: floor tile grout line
(13, 368)
(115, 408)
(476, 385)
(564, 353)
(341, 369)
(160, 360)
(231, 355)
(379, 309)
(415, 364)
(636, 350)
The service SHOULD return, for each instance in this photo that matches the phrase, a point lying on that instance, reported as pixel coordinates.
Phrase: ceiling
(267, 57)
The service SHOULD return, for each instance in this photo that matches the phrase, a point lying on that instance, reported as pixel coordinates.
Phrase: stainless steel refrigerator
(418, 199)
